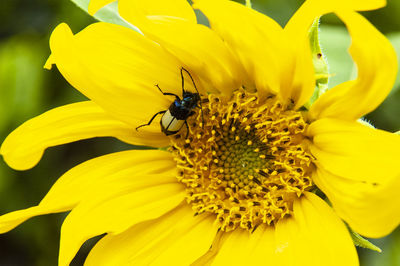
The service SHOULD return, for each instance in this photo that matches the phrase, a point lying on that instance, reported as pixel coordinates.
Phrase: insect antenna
(194, 84)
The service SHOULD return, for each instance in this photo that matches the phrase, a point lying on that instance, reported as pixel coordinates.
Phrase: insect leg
(183, 80)
(187, 129)
(194, 84)
(151, 120)
(167, 93)
(190, 75)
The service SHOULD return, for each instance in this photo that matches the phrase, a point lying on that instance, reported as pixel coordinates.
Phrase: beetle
(179, 111)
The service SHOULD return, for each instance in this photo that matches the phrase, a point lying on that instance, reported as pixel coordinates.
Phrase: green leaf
(108, 13)
(320, 63)
(359, 241)
(319, 60)
(394, 38)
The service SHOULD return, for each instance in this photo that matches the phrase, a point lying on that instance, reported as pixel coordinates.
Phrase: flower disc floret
(247, 162)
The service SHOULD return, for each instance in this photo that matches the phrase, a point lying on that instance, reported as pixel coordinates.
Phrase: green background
(27, 90)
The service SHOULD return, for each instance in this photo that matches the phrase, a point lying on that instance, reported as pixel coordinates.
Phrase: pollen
(245, 160)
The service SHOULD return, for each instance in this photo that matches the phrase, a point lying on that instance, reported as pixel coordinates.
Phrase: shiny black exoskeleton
(179, 111)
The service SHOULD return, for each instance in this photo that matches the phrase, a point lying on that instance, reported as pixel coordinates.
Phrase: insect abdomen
(170, 124)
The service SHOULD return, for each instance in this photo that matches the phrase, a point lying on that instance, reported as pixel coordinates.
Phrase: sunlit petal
(176, 237)
(314, 236)
(242, 247)
(116, 206)
(24, 147)
(120, 74)
(255, 39)
(371, 209)
(138, 12)
(201, 51)
(377, 67)
(85, 177)
(355, 151)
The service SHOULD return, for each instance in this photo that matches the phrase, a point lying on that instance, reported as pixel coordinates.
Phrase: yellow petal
(85, 177)
(314, 236)
(297, 73)
(300, 22)
(241, 247)
(24, 147)
(118, 69)
(357, 170)
(200, 50)
(372, 210)
(95, 5)
(137, 12)
(11, 220)
(235, 249)
(118, 205)
(355, 151)
(377, 67)
(358, 5)
(254, 38)
(176, 238)
(299, 83)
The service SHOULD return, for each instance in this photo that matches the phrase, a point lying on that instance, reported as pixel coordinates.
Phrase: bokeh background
(27, 90)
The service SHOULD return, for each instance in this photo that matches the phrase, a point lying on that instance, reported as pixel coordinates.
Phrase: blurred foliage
(21, 62)
(26, 90)
(335, 40)
(390, 255)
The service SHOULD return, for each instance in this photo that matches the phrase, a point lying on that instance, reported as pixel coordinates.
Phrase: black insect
(179, 111)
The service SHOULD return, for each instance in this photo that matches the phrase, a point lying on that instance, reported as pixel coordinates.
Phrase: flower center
(246, 163)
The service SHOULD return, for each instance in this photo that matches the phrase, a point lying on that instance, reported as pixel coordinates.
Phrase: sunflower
(249, 177)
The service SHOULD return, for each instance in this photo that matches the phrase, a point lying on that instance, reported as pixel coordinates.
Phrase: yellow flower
(240, 188)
